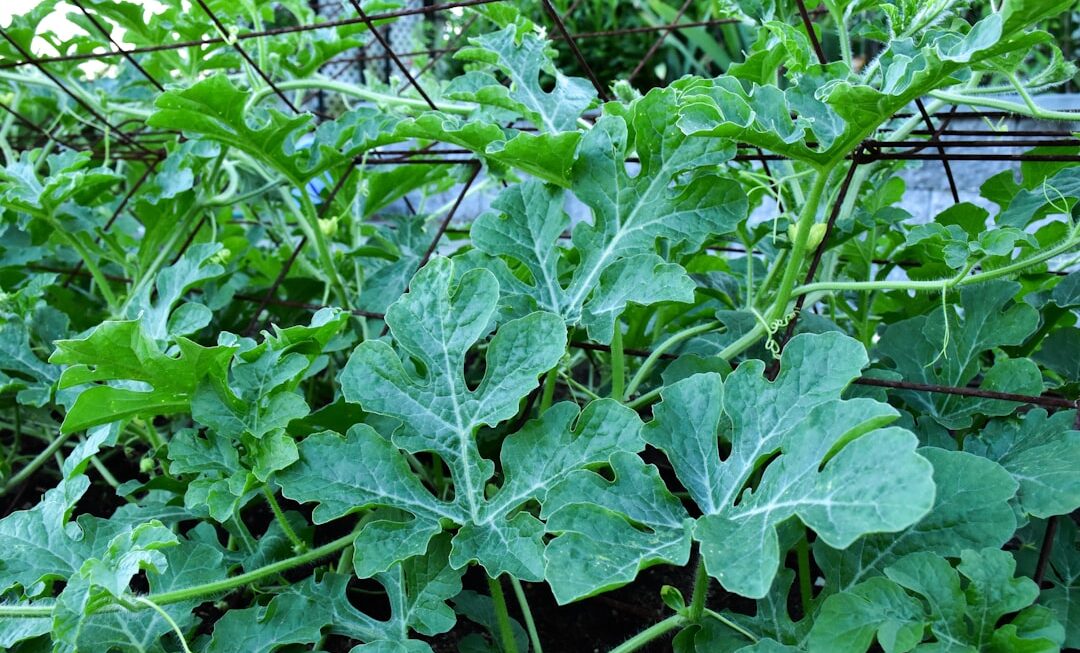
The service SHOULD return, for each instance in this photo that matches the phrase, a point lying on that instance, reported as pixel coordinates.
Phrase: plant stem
(770, 277)
(732, 625)
(650, 633)
(647, 365)
(168, 619)
(1005, 105)
(549, 389)
(310, 226)
(618, 373)
(359, 92)
(526, 612)
(92, 267)
(939, 284)
(798, 248)
(701, 590)
(839, 18)
(806, 593)
(206, 589)
(31, 467)
(502, 617)
(298, 544)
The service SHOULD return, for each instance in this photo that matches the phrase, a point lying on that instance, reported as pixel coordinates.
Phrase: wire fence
(941, 145)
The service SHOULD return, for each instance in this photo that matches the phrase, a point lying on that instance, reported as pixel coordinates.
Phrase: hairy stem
(649, 634)
(1005, 105)
(279, 515)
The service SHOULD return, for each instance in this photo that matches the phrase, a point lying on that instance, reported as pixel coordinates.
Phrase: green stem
(806, 594)
(526, 612)
(647, 365)
(799, 248)
(939, 284)
(310, 226)
(618, 363)
(359, 92)
(549, 389)
(92, 266)
(649, 634)
(575, 385)
(732, 625)
(1005, 105)
(502, 617)
(770, 277)
(298, 544)
(839, 18)
(168, 619)
(207, 589)
(106, 475)
(31, 467)
(701, 590)
(176, 235)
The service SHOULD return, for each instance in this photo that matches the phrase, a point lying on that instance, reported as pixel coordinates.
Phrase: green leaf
(436, 323)
(290, 618)
(922, 351)
(1054, 194)
(172, 283)
(17, 356)
(1063, 573)
(1067, 293)
(186, 565)
(548, 157)
(1060, 352)
(609, 531)
(216, 110)
(870, 479)
(971, 510)
(522, 59)
(127, 554)
(761, 116)
(961, 616)
(1042, 453)
(417, 588)
(674, 197)
(123, 351)
(877, 608)
(968, 615)
(221, 481)
(70, 178)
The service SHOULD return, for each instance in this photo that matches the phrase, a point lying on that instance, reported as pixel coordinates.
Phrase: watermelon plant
(519, 360)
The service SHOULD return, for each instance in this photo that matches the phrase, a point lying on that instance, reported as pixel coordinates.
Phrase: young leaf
(123, 351)
(522, 59)
(159, 320)
(961, 617)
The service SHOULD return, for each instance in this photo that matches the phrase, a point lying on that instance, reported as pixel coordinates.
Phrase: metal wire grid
(870, 151)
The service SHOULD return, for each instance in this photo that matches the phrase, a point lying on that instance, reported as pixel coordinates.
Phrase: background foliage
(262, 392)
